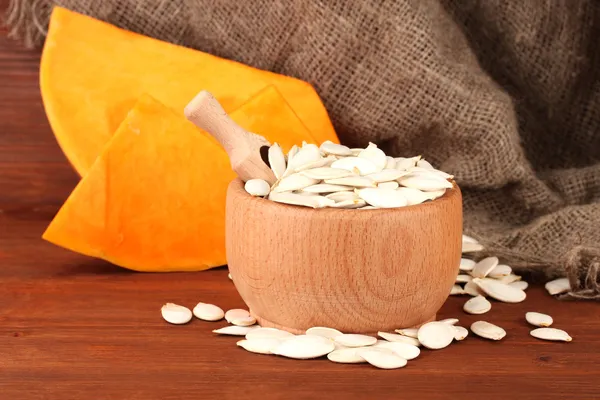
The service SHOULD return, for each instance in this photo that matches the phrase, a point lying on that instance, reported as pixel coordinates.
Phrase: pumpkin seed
(460, 333)
(466, 264)
(305, 155)
(539, 319)
(293, 151)
(303, 347)
(355, 340)
(328, 147)
(394, 337)
(229, 276)
(499, 271)
(434, 194)
(424, 164)
(500, 291)
(424, 183)
(403, 163)
(463, 278)
(236, 313)
(472, 289)
(519, 285)
(414, 196)
(367, 208)
(387, 175)
(375, 155)
(268, 333)
(208, 312)
(436, 335)
(488, 331)
(388, 185)
(257, 187)
(509, 279)
(471, 247)
(383, 360)
(410, 332)
(353, 164)
(456, 290)
(326, 173)
(558, 286)
(345, 356)
(327, 188)
(551, 334)
(449, 321)
(276, 160)
(391, 163)
(246, 321)
(323, 162)
(356, 181)
(235, 330)
(325, 332)
(483, 267)
(342, 196)
(260, 345)
(300, 200)
(383, 198)
(176, 314)
(357, 203)
(356, 151)
(404, 350)
(295, 181)
(477, 305)
(469, 239)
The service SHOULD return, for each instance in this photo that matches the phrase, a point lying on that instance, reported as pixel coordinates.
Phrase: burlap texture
(503, 94)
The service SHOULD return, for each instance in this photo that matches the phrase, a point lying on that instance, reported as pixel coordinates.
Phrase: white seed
(315, 201)
(293, 151)
(538, 319)
(500, 291)
(229, 276)
(434, 194)
(383, 360)
(456, 290)
(424, 164)
(449, 321)
(551, 334)
(436, 335)
(295, 181)
(260, 345)
(461, 333)
(356, 181)
(425, 183)
(356, 151)
(483, 267)
(322, 162)
(387, 175)
(246, 321)
(404, 350)
(268, 333)
(257, 187)
(472, 289)
(469, 239)
(327, 188)
(342, 196)
(358, 203)
(509, 279)
(355, 340)
(345, 356)
(176, 314)
(488, 331)
(236, 313)
(326, 173)
(463, 278)
(414, 196)
(466, 264)
(388, 185)
(328, 147)
(499, 271)
(383, 198)
(394, 337)
(353, 164)
(325, 332)
(208, 312)
(375, 155)
(477, 305)
(519, 285)
(391, 163)
(558, 286)
(277, 160)
(410, 332)
(306, 155)
(471, 247)
(235, 330)
(403, 163)
(303, 347)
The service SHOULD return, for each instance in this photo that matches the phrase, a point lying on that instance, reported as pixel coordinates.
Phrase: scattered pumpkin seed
(176, 314)
(500, 291)
(450, 321)
(483, 267)
(355, 340)
(257, 187)
(463, 278)
(460, 333)
(488, 331)
(456, 290)
(303, 347)
(325, 332)
(236, 313)
(259, 345)
(499, 271)
(235, 330)
(538, 319)
(436, 335)
(466, 264)
(472, 289)
(410, 332)
(208, 312)
(471, 247)
(245, 321)
(551, 334)
(519, 285)
(477, 305)
(558, 286)
(345, 356)
(383, 360)
(268, 333)
(404, 350)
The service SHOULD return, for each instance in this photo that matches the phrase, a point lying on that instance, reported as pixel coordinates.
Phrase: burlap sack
(503, 94)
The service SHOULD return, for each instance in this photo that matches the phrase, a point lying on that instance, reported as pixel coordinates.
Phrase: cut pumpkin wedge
(154, 200)
(92, 74)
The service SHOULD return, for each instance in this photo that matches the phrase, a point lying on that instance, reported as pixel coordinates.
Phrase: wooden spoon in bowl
(243, 148)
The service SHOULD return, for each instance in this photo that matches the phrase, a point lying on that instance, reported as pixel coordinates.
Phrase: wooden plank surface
(72, 327)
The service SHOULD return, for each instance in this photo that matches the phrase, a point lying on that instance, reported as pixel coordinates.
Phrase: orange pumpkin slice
(92, 74)
(154, 200)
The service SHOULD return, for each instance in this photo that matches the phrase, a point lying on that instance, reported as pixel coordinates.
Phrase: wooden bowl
(359, 271)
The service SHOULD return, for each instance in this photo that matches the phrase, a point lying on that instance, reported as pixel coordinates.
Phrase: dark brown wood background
(72, 327)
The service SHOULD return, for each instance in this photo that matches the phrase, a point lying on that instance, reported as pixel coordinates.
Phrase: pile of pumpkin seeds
(389, 350)
(334, 175)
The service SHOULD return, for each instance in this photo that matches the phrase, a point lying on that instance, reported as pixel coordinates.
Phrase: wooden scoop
(243, 147)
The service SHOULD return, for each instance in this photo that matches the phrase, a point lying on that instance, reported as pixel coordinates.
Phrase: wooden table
(72, 327)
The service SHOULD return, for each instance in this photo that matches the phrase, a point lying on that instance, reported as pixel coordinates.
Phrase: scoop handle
(206, 113)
